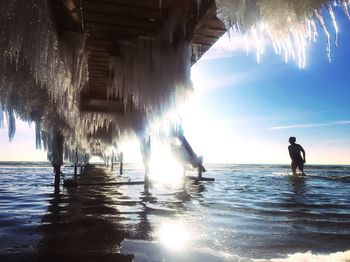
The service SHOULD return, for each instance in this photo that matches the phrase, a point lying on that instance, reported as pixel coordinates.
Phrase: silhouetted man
(294, 152)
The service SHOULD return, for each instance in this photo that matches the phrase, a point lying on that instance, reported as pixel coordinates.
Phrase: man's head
(292, 139)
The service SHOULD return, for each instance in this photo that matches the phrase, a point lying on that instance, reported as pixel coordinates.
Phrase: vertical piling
(76, 162)
(121, 163)
(200, 172)
(146, 156)
(112, 161)
(57, 156)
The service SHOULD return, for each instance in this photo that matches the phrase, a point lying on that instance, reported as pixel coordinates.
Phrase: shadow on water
(90, 222)
(298, 189)
(144, 228)
(315, 223)
(84, 224)
(87, 222)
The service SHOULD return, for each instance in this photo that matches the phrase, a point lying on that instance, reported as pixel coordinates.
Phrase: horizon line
(209, 163)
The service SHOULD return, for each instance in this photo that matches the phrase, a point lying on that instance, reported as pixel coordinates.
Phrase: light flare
(174, 235)
(163, 166)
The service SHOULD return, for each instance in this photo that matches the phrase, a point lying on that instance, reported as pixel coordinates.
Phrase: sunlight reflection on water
(248, 210)
(173, 235)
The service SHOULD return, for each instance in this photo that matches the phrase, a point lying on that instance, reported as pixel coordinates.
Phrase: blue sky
(243, 111)
(252, 108)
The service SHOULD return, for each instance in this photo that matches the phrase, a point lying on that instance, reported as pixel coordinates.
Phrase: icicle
(345, 7)
(198, 7)
(196, 51)
(38, 135)
(319, 17)
(11, 121)
(314, 30)
(291, 22)
(160, 5)
(331, 13)
(1, 118)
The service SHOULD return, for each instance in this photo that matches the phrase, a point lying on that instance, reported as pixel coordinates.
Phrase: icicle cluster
(153, 73)
(40, 75)
(289, 25)
(152, 76)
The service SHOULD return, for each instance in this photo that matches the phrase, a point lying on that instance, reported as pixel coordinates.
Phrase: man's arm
(290, 152)
(303, 151)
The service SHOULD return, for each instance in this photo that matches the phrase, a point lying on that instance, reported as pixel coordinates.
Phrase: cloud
(203, 84)
(336, 123)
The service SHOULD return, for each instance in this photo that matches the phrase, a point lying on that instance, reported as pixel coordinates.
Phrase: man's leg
(301, 167)
(294, 167)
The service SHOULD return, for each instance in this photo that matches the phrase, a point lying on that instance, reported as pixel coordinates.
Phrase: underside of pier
(92, 73)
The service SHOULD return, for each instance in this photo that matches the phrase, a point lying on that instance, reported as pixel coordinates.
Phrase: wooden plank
(204, 40)
(210, 32)
(113, 183)
(120, 10)
(98, 75)
(204, 31)
(97, 58)
(95, 94)
(196, 178)
(98, 44)
(114, 38)
(100, 68)
(119, 20)
(99, 53)
(203, 45)
(117, 29)
(95, 48)
(102, 105)
(99, 78)
(99, 64)
(98, 89)
(98, 85)
(149, 4)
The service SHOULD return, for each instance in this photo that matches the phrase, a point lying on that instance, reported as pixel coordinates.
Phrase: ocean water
(250, 213)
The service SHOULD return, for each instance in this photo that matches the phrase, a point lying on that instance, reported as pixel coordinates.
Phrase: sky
(248, 110)
(243, 111)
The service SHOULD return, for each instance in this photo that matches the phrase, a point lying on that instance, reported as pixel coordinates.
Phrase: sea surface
(257, 212)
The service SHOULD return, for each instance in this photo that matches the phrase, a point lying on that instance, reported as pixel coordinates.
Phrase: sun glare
(164, 167)
(173, 235)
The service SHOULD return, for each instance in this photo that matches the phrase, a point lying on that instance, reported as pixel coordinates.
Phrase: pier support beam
(76, 162)
(121, 163)
(57, 156)
(146, 156)
(112, 161)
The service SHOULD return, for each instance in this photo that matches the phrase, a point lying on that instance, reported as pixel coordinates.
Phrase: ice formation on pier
(42, 72)
(290, 25)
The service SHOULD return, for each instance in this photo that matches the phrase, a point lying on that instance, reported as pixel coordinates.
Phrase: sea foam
(145, 251)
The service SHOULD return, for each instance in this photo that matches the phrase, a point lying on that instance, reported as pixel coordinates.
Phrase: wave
(145, 251)
(309, 175)
(330, 177)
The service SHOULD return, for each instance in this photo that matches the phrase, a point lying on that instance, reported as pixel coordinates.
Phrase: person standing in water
(294, 152)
